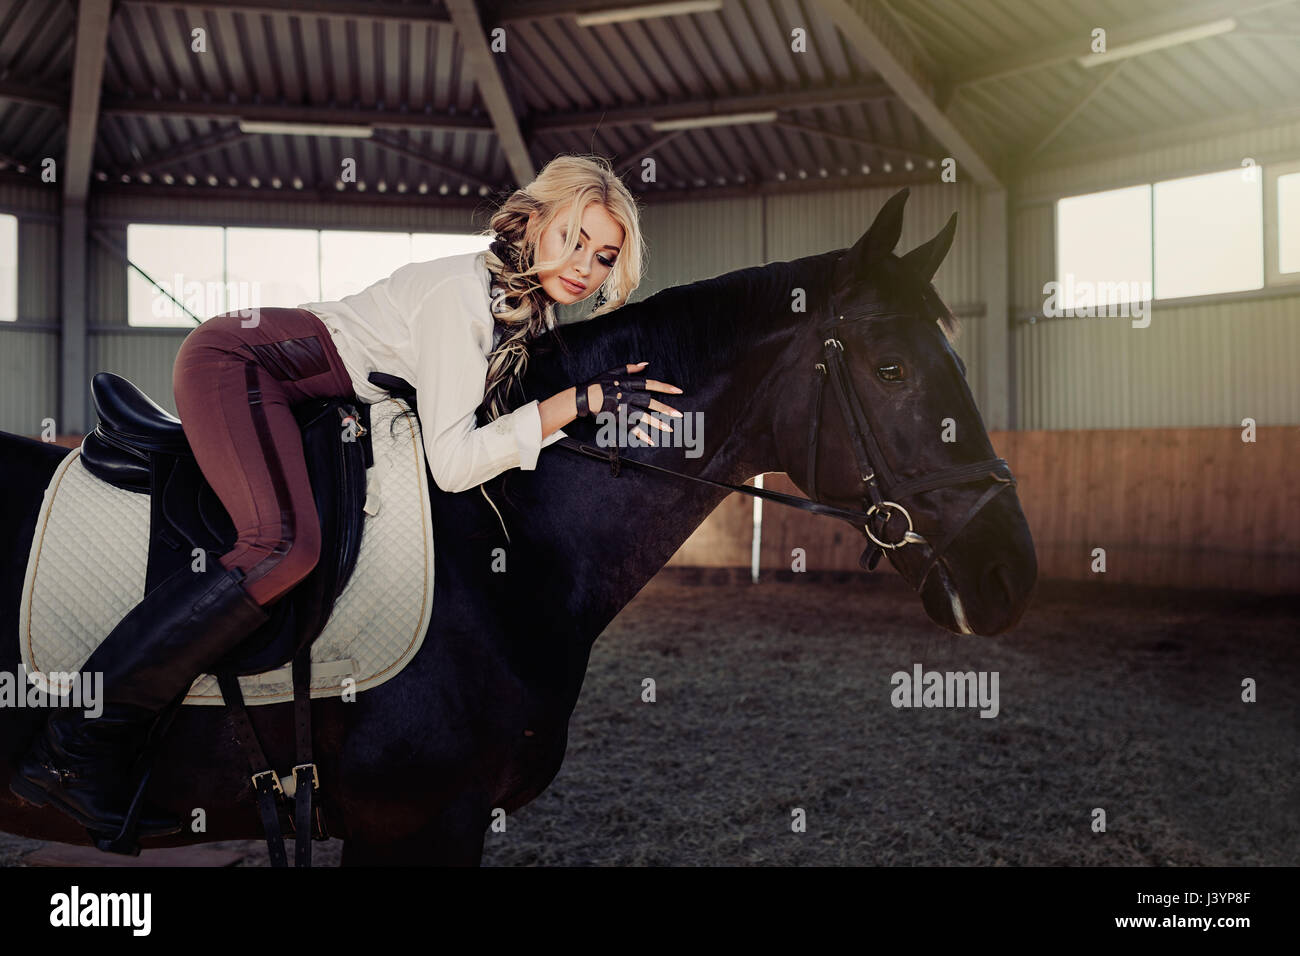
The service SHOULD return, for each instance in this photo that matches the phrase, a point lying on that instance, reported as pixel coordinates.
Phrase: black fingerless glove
(618, 388)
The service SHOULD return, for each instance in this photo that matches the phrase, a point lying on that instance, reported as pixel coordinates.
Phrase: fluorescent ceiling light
(646, 11)
(722, 119)
(305, 129)
(1164, 40)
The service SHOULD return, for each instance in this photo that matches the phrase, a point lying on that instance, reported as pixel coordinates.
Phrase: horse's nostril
(998, 584)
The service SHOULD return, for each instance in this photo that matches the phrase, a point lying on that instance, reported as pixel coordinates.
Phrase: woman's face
(593, 257)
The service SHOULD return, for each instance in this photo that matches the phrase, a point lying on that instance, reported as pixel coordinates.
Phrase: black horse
(412, 771)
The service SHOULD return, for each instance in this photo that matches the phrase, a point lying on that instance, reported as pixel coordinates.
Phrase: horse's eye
(891, 373)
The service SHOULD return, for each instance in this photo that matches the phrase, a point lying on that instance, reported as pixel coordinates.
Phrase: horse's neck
(625, 529)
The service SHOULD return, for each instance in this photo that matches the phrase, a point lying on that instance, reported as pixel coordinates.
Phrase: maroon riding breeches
(234, 387)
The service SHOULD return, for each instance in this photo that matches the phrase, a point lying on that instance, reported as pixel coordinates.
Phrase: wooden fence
(1172, 507)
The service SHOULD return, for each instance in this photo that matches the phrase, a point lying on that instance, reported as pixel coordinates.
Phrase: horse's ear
(925, 259)
(876, 243)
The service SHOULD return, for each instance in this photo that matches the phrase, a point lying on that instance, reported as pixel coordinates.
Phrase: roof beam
(554, 9)
(217, 139)
(326, 9)
(413, 152)
(1176, 134)
(748, 103)
(1029, 57)
(287, 113)
(854, 140)
(1078, 107)
(90, 49)
(33, 95)
(481, 65)
(466, 122)
(879, 41)
(634, 156)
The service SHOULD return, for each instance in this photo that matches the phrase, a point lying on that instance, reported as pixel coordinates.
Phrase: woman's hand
(621, 386)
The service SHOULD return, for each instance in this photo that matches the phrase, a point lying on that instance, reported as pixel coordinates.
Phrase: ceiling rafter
(855, 139)
(721, 106)
(1029, 57)
(326, 9)
(187, 149)
(414, 152)
(877, 39)
(289, 113)
(43, 96)
(1079, 104)
(480, 64)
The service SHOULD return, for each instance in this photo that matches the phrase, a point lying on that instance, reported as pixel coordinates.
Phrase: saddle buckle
(315, 775)
(274, 785)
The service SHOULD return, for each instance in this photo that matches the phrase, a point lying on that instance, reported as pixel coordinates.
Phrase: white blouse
(431, 324)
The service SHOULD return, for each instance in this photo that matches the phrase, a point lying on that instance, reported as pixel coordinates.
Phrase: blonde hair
(511, 258)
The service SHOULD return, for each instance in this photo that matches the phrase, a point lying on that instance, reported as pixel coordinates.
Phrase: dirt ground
(777, 697)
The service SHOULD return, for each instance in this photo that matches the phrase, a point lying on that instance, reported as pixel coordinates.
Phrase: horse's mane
(689, 331)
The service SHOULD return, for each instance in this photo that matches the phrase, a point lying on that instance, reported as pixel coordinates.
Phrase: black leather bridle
(881, 490)
(874, 467)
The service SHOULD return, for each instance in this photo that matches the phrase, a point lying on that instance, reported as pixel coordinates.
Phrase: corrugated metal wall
(29, 379)
(29, 348)
(1209, 364)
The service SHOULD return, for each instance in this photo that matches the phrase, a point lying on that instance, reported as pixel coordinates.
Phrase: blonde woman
(458, 329)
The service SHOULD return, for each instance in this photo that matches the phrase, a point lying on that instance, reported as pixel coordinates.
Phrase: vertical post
(73, 363)
(89, 49)
(994, 397)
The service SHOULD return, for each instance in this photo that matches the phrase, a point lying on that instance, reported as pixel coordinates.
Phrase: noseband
(881, 490)
(881, 505)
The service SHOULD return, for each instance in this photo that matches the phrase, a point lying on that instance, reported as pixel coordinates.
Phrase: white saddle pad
(87, 564)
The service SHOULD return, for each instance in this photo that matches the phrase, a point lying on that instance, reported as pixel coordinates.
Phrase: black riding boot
(84, 765)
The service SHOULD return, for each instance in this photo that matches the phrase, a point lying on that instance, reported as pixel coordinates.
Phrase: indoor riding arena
(1062, 430)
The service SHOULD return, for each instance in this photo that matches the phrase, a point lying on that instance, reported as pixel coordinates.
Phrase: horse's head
(899, 436)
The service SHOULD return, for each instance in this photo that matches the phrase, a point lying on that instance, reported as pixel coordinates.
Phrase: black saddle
(139, 446)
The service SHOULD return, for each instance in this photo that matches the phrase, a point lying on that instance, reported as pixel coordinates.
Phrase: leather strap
(819, 389)
(305, 775)
(266, 785)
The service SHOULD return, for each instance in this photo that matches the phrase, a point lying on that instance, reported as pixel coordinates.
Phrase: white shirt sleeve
(451, 342)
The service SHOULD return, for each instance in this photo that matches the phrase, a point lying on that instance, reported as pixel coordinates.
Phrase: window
(436, 245)
(196, 272)
(187, 267)
(1209, 234)
(1282, 223)
(350, 261)
(8, 268)
(271, 267)
(1192, 236)
(1103, 247)
(1288, 223)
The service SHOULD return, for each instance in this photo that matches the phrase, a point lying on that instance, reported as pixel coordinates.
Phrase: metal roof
(169, 115)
